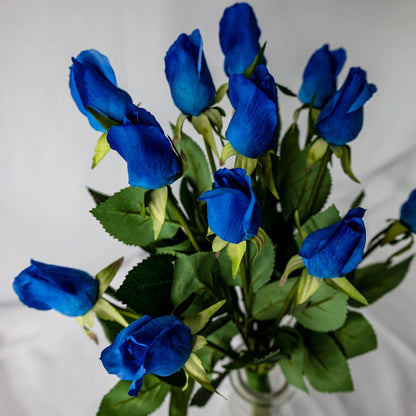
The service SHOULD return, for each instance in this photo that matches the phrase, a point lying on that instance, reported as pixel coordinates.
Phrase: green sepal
(357, 201)
(105, 122)
(157, 207)
(267, 170)
(343, 285)
(294, 263)
(218, 244)
(246, 163)
(257, 60)
(101, 149)
(221, 91)
(307, 286)
(344, 153)
(104, 310)
(316, 152)
(87, 322)
(105, 276)
(194, 368)
(259, 240)
(215, 117)
(236, 253)
(227, 152)
(199, 343)
(177, 130)
(118, 403)
(198, 322)
(203, 126)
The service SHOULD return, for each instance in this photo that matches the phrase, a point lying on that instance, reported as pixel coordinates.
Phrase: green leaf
(296, 184)
(290, 342)
(326, 311)
(307, 286)
(197, 169)
(106, 275)
(124, 217)
(198, 322)
(285, 90)
(179, 399)
(202, 396)
(157, 207)
(221, 91)
(270, 301)
(266, 164)
(193, 367)
(376, 280)
(106, 122)
(344, 286)
(357, 336)
(146, 288)
(203, 127)
(101, 149)
(98, 197)
(289, 149)
(255, 358)
(104, 310)
(118, 403)
(325, 365)
(111, 328)
(178, 379)
(321, 220)
(192, 273)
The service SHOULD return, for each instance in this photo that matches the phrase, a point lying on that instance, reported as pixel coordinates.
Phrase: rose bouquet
(249, 267)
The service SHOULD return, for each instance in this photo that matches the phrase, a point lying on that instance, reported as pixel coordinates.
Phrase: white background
(47, 365)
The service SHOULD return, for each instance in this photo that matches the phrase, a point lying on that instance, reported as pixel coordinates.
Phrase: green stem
(318, 181)
(182, 220)
(210, 158)
(258, 381)
(245, 272)
(216, 348)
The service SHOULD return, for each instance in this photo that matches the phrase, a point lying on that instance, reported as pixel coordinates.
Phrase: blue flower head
(188, 75)
(408, 212)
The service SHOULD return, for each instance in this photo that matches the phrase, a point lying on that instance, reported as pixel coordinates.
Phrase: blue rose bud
(160, 346)
(341, 119)
(188, 75)
(320, 76)
(253, 128)
(234, 213)
(93, 83)
(408, 212)
(152, 161)
(336, 250)
(43, 286)
(239, 38)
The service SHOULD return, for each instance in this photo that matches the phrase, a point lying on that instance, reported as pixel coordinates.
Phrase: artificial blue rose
(152, 161)
(188, 75)
(160, 346)
(320, 76)
(336, 250)
(93, 83)
(408, 212)
(239, 38)
(341, 119)
(43, 286)
(234, 213)
(253, 128)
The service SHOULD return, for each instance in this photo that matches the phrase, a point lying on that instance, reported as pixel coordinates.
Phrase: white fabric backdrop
(47, 365)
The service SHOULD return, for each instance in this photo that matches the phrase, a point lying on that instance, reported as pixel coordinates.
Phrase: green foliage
(146, 288)
(271, 300)
(101, 149)
(290, 342)
(325, 366)
(179, 399)
(376, 280)
(326, 310)
(98, 197)
(118, 403)
(256, 358)
(124, 217)
(105, 276)
(356, 336)
(321, 220)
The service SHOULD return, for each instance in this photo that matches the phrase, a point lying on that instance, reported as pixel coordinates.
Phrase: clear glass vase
(245, 401)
